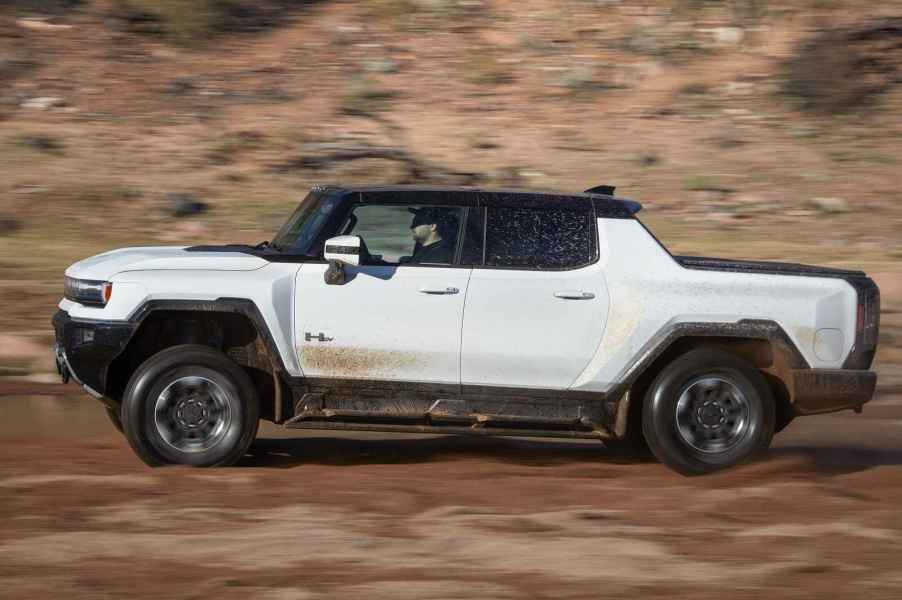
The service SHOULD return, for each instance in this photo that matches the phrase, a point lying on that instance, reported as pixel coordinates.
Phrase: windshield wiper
(267, 245)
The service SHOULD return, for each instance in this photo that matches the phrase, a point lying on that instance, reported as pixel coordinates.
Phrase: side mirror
(344, 249)
(340, 251)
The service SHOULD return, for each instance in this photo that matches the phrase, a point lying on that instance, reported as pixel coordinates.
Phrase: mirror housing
(344, 249)
(335, 274)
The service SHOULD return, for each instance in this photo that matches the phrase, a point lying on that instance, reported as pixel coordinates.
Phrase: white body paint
(500, 328)
(536, 329)
(388, 323)
(649, 291)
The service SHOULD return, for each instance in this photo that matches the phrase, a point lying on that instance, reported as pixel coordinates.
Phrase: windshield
(300, 231)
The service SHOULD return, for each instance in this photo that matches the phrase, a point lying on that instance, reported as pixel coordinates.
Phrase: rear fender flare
(752, 329)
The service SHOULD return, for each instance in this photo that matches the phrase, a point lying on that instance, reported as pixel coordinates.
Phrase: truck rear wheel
(190, 405)
(708, 410)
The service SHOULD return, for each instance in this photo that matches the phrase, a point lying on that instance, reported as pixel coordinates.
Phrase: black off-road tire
(680, 442)
(235, 394)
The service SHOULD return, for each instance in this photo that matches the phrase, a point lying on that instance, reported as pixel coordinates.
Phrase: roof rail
(604, 190)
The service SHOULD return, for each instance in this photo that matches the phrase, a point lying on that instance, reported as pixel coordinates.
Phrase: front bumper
(816, 391)
(86, 349)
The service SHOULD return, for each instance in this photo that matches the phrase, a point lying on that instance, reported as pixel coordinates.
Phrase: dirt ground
(322, 515)
(682, 105)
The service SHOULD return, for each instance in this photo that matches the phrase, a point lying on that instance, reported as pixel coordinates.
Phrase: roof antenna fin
(604, 190)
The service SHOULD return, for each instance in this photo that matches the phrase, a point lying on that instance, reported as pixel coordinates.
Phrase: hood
(160, 258)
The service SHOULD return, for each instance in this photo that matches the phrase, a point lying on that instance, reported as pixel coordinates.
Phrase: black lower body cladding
(828, 390)
(91, 346)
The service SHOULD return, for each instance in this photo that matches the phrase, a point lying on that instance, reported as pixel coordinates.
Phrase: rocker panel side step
(441, 419)
(596, 434)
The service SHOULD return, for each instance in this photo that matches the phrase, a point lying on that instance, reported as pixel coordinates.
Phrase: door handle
(439, 290)
(574, 295)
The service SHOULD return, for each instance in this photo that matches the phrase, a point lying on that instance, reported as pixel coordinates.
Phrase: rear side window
(531, 238)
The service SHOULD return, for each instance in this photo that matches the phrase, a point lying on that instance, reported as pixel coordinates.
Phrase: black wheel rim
(712, 414)
(192, 414)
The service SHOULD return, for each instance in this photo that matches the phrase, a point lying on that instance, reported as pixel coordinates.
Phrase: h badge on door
(319, 337)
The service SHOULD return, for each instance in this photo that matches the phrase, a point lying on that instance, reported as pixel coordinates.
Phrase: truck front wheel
(190, 405)
(708, 410)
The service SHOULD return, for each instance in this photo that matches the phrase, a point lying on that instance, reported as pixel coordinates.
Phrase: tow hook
(62, 367)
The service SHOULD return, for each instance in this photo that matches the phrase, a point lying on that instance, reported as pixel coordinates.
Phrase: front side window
(405, 234)
(533, 238)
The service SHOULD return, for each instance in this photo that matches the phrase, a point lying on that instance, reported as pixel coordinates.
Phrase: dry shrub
(844, 70)
(189, 21)
(16, 66)
(390, 9)
(48, 7)
(482, 67)
(362, 96)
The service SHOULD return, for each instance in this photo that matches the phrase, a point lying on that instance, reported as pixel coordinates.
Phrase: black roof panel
(605, 205)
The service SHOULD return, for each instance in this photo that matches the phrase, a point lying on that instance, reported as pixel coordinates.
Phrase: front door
(398, 317)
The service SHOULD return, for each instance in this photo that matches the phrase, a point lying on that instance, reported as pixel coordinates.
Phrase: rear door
(536, 309)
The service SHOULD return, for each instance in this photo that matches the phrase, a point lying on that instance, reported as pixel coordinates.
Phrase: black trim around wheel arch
(756, 329)
(243, 306)
(91, 354)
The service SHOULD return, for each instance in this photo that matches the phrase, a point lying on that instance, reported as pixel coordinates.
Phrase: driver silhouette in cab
(433, 233)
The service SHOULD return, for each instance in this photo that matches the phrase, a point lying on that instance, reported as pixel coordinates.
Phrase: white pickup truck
(463, 311)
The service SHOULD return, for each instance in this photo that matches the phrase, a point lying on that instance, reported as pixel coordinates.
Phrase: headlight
(85, 291)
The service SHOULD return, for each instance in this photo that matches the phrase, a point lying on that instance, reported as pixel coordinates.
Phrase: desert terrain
(325, 515)
(748, 129)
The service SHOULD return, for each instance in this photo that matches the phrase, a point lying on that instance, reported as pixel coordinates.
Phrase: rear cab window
(540, 238)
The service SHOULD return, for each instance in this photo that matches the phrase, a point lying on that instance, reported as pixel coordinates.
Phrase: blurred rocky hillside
(748, 128)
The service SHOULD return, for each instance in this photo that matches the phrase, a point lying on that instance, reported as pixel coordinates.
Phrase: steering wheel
(366, 258)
